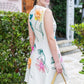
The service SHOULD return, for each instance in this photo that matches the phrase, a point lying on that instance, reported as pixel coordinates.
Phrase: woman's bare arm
(48, 23)
(31, 35)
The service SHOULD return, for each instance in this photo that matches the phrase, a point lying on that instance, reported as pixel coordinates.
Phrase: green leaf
(9, 75)
(82, 61)
(81, 72)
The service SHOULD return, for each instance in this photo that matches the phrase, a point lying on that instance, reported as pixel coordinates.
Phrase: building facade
(16, 5)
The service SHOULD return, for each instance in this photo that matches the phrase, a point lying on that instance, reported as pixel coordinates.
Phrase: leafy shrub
(14, 47)
(79, 42)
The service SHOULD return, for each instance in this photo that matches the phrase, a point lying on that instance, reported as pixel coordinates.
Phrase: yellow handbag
(55, 78)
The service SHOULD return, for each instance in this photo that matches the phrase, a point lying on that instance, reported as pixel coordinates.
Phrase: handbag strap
(56, 76)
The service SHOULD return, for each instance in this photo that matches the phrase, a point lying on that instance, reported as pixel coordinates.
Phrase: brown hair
(35, 1)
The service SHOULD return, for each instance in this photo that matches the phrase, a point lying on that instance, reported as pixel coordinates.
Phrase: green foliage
(78, 15)
(14, 47)
(79, 42)
(77, 19)
(59, 13)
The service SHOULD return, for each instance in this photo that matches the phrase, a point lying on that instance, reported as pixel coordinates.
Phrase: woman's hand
(58, 67)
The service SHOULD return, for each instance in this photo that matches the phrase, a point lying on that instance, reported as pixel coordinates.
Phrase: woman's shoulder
(37, 9)
(40, 10)
(48, 10)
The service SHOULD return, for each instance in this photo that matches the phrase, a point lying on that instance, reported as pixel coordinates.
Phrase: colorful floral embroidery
(31, 26)
(38, 14)
(29, 63)
(41, 66)
(39, 31)
(41, 61)
(31, 15)
(60, 58)
(32, 49)
(52, 60)
(34, 46)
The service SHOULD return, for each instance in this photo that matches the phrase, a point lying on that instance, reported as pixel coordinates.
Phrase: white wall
(11, 5)
(70, 19)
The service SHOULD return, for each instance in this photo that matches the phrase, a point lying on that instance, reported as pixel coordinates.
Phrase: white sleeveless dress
(42, 67)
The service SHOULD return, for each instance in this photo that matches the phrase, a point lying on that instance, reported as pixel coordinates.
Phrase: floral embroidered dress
(40, 67)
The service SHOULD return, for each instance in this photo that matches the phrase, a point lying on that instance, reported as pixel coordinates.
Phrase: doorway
(27, 5)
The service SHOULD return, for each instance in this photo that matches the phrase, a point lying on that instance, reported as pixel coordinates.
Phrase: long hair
(35, 1)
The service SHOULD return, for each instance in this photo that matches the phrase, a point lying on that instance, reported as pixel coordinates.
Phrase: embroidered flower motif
(41, 61)
(38, 14)
(52, 60)
(40, 65)
(31, 15)
(59, 54)
(61, 59)
(31, 26)
(29, 63)
(32, 49)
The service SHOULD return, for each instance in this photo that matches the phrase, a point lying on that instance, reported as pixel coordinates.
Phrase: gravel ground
(73, 66)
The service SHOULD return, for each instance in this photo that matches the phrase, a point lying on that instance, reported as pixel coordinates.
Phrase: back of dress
(42, 64)
(36, 17)
(36, 23)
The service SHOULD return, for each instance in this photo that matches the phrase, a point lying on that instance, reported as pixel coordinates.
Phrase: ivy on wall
(77, 19)
(78, 15)
(59, 13)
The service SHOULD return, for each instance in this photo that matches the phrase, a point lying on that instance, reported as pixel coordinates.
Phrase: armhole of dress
(43, 19)
(29, 17)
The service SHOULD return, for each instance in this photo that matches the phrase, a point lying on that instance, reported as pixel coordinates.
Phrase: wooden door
(27, 5)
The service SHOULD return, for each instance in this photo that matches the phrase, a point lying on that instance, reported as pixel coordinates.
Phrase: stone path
(73, 67)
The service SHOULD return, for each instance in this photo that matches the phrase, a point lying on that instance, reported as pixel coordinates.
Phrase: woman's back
(36, 20)
(42, 67)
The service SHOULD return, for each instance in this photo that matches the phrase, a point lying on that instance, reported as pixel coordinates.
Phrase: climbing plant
(59, 12)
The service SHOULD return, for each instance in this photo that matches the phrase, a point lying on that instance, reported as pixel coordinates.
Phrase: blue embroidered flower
(52, 60)
(34, 45)
(31, 26)
(31, 15)
(55, 37)
(41, 61)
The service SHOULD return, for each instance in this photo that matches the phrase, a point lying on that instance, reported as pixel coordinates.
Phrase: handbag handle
(55, 78)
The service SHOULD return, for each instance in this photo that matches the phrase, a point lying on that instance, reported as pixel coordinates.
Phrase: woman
(45, 58)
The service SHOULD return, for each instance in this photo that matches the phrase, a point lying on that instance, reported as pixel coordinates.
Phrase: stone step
(64, 43)
(69, 50)
(66, 47)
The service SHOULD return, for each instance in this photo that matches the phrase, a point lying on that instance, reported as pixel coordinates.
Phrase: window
(77, 4)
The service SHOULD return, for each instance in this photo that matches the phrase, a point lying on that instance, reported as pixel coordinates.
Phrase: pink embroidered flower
(40, 65)
(61, 59)
(32, 50)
